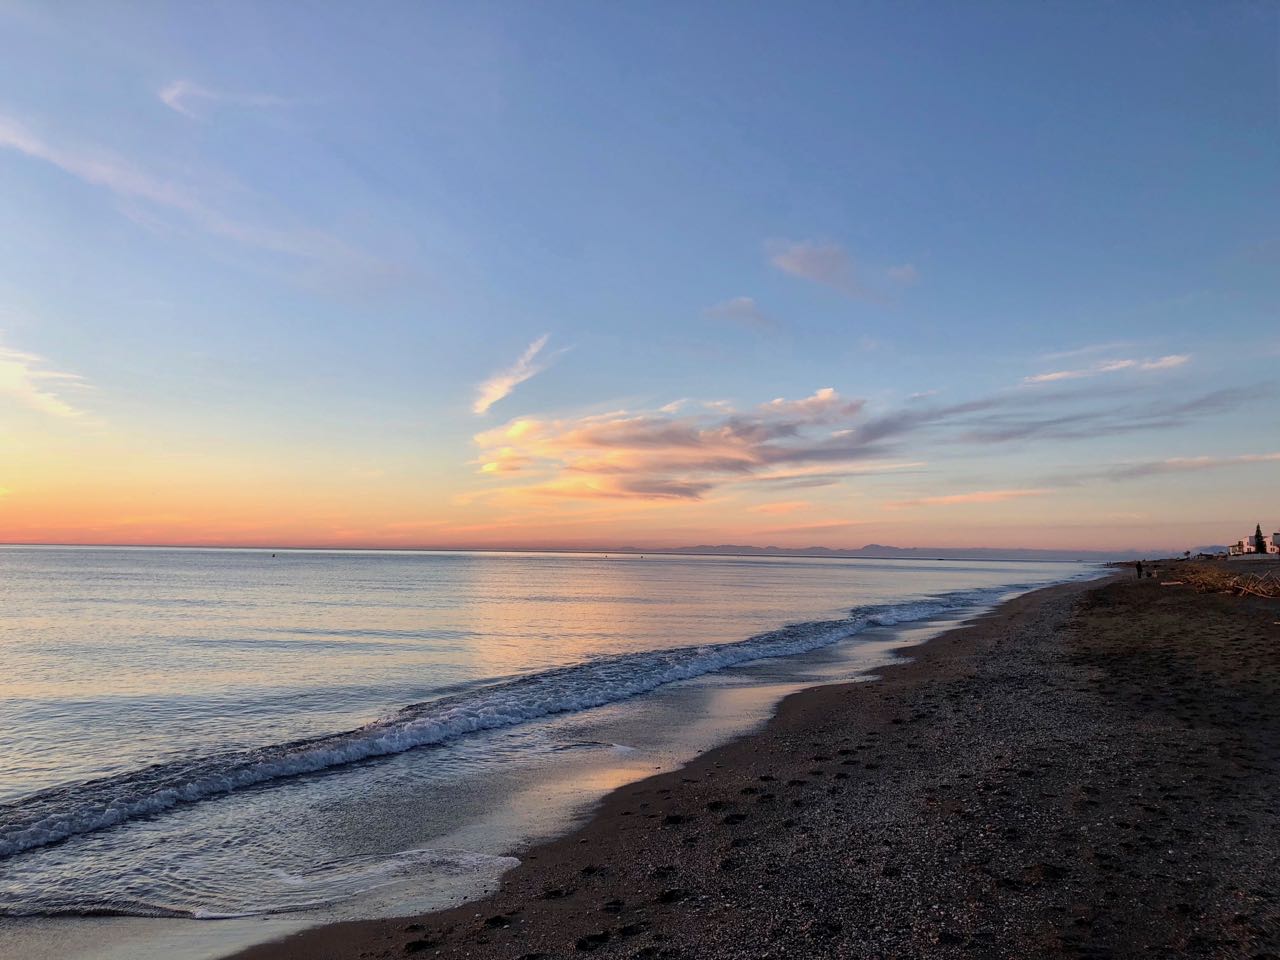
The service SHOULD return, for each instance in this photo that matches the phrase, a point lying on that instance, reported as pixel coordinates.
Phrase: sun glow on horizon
(456, 278)
(669, 476)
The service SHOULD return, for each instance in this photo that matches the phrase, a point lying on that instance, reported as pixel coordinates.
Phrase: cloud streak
(1006, 423)
(1173, 465)
(1189, 464)
(1109, 366)
(129, 183)
(94, 167)
(1090, 349)
(500, 384)
(182, 95)
(25, 378)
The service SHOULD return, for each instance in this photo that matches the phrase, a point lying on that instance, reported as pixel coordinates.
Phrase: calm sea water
(216, 733)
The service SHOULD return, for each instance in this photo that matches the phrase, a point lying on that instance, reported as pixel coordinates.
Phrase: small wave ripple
(62, 812)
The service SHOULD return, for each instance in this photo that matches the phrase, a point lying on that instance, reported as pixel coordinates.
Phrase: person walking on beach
(1139, 565)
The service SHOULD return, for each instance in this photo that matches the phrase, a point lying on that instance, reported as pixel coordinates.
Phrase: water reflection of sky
(124, 657)
(120, 657)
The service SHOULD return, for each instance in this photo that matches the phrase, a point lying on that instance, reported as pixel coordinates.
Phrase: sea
(202, 748)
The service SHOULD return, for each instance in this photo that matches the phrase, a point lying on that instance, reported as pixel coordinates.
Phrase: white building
(1270, 544)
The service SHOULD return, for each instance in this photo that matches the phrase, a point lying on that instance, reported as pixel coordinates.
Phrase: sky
(655, 274)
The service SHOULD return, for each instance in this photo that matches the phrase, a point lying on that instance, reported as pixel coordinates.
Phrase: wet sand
(1089, 771)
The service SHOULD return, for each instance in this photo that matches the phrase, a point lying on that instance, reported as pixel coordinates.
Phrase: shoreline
(1023, 784)
(357, 938)
(533, 796)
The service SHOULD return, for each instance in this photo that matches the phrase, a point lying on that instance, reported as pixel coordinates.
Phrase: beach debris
(1215, 580)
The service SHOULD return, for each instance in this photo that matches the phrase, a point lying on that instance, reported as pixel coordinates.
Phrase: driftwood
(1210, 580)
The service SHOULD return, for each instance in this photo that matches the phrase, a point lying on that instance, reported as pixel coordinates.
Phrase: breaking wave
(61, 812)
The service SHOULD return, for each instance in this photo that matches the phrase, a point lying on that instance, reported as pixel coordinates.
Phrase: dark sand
(1091, 771)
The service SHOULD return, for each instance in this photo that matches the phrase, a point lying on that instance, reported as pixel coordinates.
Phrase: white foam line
(60, 813)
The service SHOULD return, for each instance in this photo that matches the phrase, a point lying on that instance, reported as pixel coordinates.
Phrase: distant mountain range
(883, 551)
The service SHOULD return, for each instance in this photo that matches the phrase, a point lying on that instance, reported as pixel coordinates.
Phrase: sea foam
(62, 812)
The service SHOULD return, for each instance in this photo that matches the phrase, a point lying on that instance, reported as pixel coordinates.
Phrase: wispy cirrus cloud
(1173, 465)
(824, 475)
(1086, 414)
(183, 96)
(95, 167)
(1110, 366)
(1089, 349)
(161, 202)
(499, 385)
(832, 266)
(1187, 464)
(973, 496)
(1064, 412)
(28, 379)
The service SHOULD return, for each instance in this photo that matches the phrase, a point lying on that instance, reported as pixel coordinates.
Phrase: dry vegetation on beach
(1092, 771)
(1226, 578)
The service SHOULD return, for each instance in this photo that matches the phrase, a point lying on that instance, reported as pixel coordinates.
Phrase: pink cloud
(1109, 366)
(824, 404)
(668, 455)
(500, 384)
(832, 266)
(689, 452)
(825, 263)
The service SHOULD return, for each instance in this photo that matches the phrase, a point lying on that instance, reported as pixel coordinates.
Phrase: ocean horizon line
(866, 552)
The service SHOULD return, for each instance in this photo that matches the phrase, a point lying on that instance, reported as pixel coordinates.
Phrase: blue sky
(281, 245)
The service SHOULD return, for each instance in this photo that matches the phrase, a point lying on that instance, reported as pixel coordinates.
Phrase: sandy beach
(1090, 770)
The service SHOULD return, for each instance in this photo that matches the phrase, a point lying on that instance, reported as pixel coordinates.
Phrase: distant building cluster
(1257, 542)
